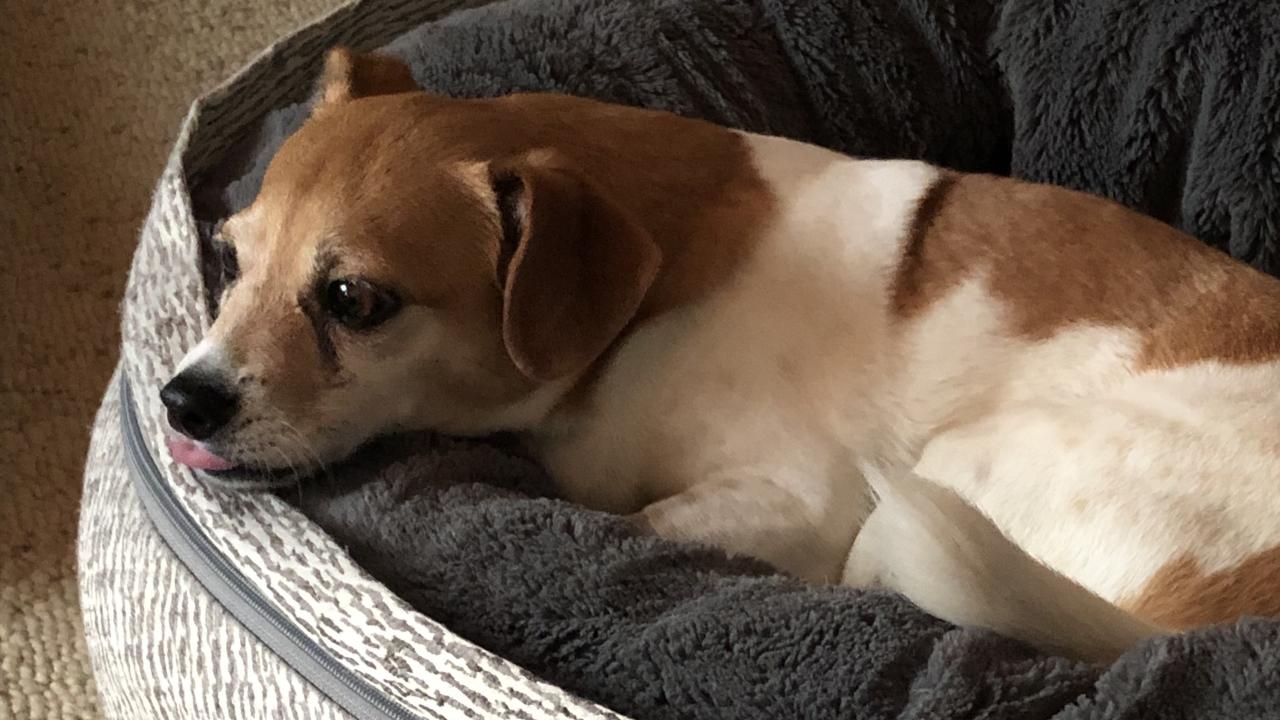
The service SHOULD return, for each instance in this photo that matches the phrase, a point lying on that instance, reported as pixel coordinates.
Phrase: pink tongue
(190, 453)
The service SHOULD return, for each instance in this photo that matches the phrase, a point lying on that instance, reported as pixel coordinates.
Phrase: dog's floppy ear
(349, 75)
(573, 266)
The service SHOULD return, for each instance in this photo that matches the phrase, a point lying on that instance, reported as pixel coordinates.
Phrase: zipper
(233, 590)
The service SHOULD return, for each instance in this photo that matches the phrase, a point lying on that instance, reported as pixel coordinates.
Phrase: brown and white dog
(766, 346)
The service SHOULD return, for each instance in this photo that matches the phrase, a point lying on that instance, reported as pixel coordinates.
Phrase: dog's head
(411, 262)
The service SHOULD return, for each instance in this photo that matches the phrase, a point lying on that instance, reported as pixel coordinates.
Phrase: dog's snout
(199, 404)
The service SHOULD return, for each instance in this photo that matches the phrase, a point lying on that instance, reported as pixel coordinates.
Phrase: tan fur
(703, 216)
(577, 274)
(1182, 595)
(348, 75)
(433, 159)
(1051, 254)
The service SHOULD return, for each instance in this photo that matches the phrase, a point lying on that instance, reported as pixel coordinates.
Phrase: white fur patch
(927, 543)
(207, 352)
(1111, 486)
(795, 375)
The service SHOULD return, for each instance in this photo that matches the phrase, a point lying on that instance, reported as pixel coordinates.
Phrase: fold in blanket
(658, 630)
(1170, 106)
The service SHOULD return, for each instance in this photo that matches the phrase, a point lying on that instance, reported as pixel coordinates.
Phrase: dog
(1023, 407)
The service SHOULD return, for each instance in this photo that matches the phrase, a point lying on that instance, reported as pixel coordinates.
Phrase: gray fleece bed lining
(467, 533)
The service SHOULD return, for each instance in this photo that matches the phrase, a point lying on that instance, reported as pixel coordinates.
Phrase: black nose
(199, 404)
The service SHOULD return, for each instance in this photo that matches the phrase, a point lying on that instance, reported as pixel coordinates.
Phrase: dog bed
(433, 578)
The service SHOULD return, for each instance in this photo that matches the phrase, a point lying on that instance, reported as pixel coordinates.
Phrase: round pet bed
(206, 604)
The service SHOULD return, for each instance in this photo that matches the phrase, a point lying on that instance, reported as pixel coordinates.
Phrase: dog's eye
(359, 304)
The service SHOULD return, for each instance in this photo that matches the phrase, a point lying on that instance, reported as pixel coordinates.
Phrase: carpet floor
(91, 94)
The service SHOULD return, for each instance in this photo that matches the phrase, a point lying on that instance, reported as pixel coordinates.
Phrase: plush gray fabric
(1168, 106)
(784, 68)
(465, 533)
(1173, 112)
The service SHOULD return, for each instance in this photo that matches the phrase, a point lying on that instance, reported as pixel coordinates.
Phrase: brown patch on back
(1180, 595)
(916, 286)
(1058, 257)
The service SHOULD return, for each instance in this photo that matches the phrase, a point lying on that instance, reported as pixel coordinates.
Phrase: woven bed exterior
(160, 646)
(163, 647)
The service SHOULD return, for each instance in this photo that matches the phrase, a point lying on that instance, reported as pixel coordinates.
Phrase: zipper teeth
(184, 531)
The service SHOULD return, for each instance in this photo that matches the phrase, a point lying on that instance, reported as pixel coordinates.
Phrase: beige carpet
(90, 95)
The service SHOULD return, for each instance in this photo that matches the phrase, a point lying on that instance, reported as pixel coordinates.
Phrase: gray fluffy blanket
(1170, 106)
(465, 533)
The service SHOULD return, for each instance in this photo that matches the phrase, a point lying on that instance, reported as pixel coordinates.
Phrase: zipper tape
(231, 589)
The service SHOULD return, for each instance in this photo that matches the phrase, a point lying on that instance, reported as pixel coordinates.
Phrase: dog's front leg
(797, 530)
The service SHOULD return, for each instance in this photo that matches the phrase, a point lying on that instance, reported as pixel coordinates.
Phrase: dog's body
(753, 342)
(1142, 468)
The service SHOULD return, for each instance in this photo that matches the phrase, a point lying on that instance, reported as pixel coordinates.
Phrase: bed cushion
(412, 579)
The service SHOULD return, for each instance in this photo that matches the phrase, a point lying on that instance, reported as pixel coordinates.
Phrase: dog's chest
(778, 372)
(703, 412)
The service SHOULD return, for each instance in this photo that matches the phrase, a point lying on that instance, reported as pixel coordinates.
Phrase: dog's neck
(775, 334)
